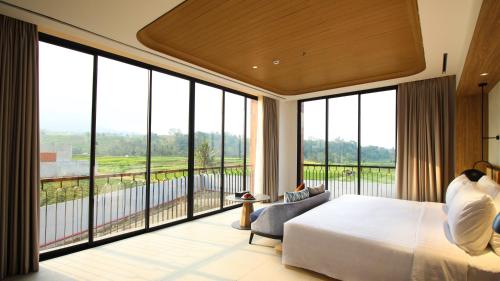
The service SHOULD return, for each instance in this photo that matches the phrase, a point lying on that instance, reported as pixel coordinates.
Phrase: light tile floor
(204, 249)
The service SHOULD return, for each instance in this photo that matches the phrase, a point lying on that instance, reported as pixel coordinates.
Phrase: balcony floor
(204, 249)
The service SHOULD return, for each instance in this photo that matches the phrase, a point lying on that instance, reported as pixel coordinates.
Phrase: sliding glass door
(169, 148)
(314, 142)
(378, 143)
(120, 148)
(234, 144)
(360, 142)
(343, 145)
(65, 125)
(208, 149)
(127, 147)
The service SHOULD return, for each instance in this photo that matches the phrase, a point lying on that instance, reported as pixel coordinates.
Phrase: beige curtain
(19, 147)
(270, 147)
(425, 120)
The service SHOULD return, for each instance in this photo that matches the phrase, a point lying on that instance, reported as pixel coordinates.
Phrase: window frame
(90, 243)
(300, 143)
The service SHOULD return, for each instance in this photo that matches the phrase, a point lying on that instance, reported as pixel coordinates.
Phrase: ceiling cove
(294, 47)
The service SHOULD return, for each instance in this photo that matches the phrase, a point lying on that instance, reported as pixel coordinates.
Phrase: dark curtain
(270, 147)
(19, 147)
(425, 118)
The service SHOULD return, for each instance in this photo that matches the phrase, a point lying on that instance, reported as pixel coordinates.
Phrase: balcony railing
(120, 201)
(343, 179)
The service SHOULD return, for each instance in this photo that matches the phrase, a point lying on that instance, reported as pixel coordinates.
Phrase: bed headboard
(494, 173)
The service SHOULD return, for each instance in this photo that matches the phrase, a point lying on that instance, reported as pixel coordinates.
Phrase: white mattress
(369, 238)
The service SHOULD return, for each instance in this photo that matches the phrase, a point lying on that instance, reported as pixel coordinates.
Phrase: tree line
(175, 143)
(345, 152)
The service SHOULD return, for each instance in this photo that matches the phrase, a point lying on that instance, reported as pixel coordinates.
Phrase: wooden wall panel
(483, 57)
(468, 138)
(484, 51)
(494, 173)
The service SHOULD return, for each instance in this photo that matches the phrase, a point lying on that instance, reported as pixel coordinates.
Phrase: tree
(204, 155)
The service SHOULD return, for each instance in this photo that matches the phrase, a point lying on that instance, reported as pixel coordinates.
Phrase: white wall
(494, 125)
(259, 165)
(287, 146)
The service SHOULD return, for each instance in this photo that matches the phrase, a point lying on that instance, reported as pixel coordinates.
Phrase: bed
(358, 237)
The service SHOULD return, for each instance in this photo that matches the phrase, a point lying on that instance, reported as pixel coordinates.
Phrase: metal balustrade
(343, 179)
(120, 201)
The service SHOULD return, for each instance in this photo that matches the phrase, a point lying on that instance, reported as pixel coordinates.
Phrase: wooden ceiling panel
(321, 44)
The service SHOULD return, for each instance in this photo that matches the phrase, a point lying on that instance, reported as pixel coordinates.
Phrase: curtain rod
(140, 49)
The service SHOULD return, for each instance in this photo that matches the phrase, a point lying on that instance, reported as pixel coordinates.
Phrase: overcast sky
(378, 119)
(66, 95)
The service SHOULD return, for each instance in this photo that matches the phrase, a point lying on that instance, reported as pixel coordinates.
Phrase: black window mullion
(223, 124)
(327, 110)
(148, 150)
(359, 144)
(396, 127)
(92, 152)
(190, 191)
(245, 144)
(300, 141)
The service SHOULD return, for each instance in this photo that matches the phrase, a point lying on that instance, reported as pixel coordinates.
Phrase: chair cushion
(296, 196)
(255, 215)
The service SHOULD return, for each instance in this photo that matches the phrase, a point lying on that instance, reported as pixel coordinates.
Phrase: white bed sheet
(368, 238)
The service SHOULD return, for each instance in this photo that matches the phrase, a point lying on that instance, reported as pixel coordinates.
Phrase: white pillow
(454, 186)
(470, 218)
(490, 187)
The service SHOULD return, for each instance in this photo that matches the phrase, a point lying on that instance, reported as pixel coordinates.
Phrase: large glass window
(378, 143)
(361, 143)
(121, 129)
(207, 149)
(234, 131)
(169, 148)
(343, 145)
(313, 132)
(65, 119)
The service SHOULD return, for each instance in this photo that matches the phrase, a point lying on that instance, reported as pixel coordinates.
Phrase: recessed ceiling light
(255, 67)
(484, 74)
(276, 61)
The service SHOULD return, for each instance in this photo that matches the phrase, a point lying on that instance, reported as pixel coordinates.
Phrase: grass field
(131, 164)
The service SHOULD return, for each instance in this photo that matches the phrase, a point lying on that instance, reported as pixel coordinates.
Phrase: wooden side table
(246, 210)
